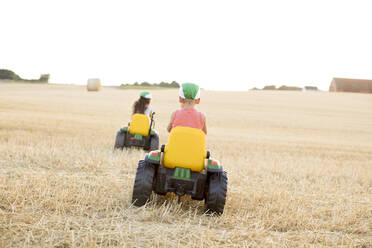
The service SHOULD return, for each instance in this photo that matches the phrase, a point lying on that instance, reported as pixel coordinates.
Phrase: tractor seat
(186, 149)
(140, 124)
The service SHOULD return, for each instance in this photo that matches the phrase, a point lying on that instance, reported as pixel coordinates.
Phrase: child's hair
(188, 101)
(140, 105)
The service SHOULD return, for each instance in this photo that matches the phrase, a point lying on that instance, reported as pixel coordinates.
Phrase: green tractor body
(138, 134)
(153, 175)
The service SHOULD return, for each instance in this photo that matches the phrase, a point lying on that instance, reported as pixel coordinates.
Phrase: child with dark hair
(141, 124)
(142, 105)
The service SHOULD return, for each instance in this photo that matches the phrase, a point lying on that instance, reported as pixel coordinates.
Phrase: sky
(220, 45)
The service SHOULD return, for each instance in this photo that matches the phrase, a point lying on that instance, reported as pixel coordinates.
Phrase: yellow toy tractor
(139, 133)
(183, 166)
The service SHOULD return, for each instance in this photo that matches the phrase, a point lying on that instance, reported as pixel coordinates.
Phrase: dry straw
(299, 167)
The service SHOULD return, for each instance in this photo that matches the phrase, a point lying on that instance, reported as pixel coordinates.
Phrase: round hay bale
(94, 84)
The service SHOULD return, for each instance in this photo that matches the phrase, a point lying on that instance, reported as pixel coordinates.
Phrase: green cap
(189, 91)
(146, 94)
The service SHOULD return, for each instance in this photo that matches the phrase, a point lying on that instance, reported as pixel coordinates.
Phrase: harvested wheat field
(299, 168)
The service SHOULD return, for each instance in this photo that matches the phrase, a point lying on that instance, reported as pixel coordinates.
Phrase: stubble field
(299, 168)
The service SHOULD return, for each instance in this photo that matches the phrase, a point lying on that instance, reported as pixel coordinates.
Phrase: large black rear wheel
(216, 194)
(120, 140)
(143, 183)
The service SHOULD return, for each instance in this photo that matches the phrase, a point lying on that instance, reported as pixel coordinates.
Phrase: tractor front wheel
(143, 183)
(216, 195)
(154, 143)
(120, 140)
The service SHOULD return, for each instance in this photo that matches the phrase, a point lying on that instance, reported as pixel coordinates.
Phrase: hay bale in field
(351, 85)
(94, 84)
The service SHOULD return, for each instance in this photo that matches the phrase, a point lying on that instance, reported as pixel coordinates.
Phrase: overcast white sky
(233, 45)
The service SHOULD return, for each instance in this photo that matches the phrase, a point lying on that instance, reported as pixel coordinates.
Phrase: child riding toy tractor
(139, 133)
(183, 166)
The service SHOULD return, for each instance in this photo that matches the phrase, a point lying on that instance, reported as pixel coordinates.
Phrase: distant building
(310, 88)
(350, 85)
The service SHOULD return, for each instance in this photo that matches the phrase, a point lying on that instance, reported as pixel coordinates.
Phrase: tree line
(283, 87)
(173, 84)
(10, 75)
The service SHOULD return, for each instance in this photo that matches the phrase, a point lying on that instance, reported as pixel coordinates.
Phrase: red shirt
(188, 117)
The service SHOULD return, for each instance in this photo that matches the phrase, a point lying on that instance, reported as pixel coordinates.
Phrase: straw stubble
(299, 168)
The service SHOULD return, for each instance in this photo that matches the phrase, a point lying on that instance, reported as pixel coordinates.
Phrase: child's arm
(205, 124)
(169, 128)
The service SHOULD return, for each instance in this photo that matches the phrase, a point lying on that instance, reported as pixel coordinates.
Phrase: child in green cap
(188, 116)
(142, 105)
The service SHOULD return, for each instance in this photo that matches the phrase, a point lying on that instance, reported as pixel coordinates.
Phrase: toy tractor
(183, 166)
(139, 133)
